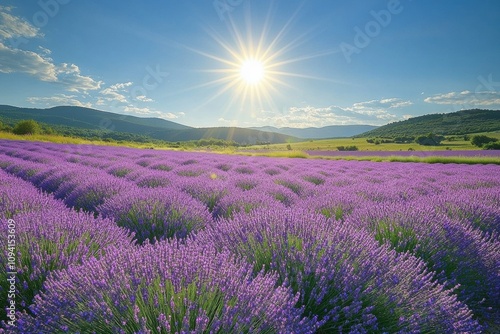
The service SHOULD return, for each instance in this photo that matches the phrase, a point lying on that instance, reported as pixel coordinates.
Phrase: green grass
(375, 158)
(429, 159)
(275, 154)
(58, 139)
(363, 145)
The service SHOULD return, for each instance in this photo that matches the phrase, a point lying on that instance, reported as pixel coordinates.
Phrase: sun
(252, 71)
(252, 68)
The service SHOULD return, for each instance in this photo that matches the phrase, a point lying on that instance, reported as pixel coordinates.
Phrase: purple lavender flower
(458, 252)
(152, 179)
(62, 181)
(166, 287)
(206, 190)
(89, 193)
(52, 239)
(18, 196)
(343, 276)
(160, 166)
(156, 213)
(121, 169)
(244, 202)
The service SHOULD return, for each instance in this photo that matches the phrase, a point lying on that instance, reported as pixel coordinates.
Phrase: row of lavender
(101, 263)
(328, 246)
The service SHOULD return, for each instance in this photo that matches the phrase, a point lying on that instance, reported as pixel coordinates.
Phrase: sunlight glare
(252, 71)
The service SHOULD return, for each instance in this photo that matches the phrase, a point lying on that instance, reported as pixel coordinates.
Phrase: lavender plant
(49, 240)
(244, 202)
(90, 193)
(343, 276)
(165, 288)
(17, 196)
(155, 214)
(208, 191)
(459, 253)
(152, 180)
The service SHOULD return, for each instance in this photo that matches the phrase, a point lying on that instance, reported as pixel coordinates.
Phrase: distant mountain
(93, 122)
(239, 135)
(87, 118)
(332, 131)
(455, 123)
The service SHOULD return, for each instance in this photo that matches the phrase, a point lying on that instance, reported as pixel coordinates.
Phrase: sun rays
(253, 67)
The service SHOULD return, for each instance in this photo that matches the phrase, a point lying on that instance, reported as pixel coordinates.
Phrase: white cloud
(483, 98)
(14, 27)
(41, 67)
(143, 112)
(302, 117)
(58, 100)
(69, 75)
(374, 112)
(379, 107)
(395, 103)
(46, 52)
(28, 62)
(228, 122)
(100, 102)
(114, 93)
(118, 93)
(143, 98)
(37, 64)
(121, 86)
(136, 110)
(169, 115)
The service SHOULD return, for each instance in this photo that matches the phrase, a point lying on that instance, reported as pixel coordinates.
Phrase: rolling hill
(456, 123)
(332, 131)
(96, 122)
(87, 118)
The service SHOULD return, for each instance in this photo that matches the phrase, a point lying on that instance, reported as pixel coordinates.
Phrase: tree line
(32, 127)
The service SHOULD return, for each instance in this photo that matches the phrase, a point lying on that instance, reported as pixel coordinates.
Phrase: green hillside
(456, 123)
(86, 118)
(90, 123)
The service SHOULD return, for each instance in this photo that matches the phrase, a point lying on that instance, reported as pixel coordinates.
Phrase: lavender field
(121, 240)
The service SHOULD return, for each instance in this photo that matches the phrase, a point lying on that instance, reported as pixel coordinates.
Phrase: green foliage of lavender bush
(314, 179)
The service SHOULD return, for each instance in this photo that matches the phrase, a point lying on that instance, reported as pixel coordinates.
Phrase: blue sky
(324, 62)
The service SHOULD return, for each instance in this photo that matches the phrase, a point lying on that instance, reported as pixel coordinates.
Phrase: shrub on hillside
(492, 146)
(429, 140)
(480, 140)
(347, 148)
(29, 127)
